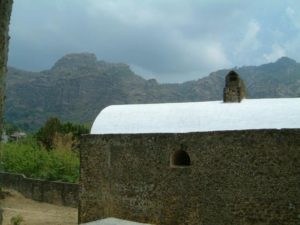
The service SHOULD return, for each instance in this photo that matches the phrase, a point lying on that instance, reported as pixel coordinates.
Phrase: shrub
(16, 220)
(31, 159)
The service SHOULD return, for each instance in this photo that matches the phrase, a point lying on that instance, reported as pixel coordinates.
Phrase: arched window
(181, 158)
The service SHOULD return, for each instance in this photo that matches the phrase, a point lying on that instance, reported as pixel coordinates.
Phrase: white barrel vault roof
(114, 221)
(199, 116)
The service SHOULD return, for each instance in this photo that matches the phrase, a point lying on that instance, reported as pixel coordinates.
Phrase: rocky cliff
(78, 86)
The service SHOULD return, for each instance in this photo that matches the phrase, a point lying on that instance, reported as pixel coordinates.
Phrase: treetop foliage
(54, 128)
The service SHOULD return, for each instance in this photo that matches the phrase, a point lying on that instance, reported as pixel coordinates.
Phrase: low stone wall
(58, 193)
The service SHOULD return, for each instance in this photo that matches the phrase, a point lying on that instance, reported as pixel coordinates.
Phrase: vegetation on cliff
(78, 86)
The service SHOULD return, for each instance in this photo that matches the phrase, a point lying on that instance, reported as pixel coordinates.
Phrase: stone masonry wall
(5, 12)
(59, 193)
(235, 177)
(235, 89)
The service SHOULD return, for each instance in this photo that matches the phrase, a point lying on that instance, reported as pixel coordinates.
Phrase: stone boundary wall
(59, 193)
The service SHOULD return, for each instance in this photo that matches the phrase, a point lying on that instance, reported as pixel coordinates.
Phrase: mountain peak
(56, 93)
(286, 61)
(75, 61)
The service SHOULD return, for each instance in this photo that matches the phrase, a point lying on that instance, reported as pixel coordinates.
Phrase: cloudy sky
(170, 40)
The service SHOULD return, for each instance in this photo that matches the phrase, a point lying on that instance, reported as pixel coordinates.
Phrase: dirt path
(36, 213)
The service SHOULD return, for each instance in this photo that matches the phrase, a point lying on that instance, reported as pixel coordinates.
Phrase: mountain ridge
(78, 86)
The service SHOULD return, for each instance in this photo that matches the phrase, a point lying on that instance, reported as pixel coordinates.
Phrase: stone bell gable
(234, 90)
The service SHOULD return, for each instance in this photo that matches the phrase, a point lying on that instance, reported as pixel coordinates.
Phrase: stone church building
(230, 162)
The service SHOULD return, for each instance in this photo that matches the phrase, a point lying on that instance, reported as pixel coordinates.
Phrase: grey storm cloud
(170, 40)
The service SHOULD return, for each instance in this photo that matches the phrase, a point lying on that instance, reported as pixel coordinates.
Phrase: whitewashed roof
(114, 221)
(199, 116)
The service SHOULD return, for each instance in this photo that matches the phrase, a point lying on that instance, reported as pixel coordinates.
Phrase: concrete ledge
(114, 221)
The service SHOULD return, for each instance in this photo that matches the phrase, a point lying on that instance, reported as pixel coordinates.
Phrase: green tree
(54, 132)
(46, 134)
(75, 130)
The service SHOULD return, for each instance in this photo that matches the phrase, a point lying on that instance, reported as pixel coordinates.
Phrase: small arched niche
(180, 158)
(232, 76)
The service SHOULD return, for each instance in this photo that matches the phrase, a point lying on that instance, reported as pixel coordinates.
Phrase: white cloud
(140, 13)
(293, 16)
(166, 39)
(192, 58)
(143, 72)
(215, 56)
(277, 52)
(250, 41)
(290, 12)
(197, 56)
